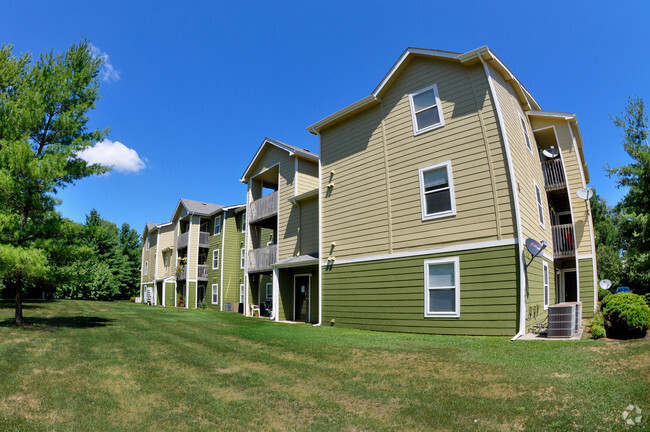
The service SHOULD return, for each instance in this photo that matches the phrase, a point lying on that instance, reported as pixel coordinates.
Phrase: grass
(95, 366)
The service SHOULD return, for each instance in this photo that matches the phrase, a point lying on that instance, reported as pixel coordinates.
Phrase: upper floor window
(243, 222)
(540, 207)
(437, 191)
(546, 284)
(441, 288)
(146, 268)
(426, 111)
(215, 259)
(217, 225)
(242, 258)
(526, 134)
(147, 243)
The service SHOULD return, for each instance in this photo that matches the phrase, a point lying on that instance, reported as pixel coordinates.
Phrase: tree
(131, 248)
(608, 244)
(634, 226)
(43, 126)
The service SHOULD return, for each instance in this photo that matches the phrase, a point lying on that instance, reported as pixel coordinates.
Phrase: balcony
(201, 273)
(563, 241)
(263, 208)
(260, 260)
(183, 240)
(553, 175)
(181, 273)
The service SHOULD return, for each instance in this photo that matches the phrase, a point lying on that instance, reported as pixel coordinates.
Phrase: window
(441, 288)
(242, 257)
(242, 294)
(243, 223)
(426, 111)
(215, 293)
(437, 191)
(215, 259)
(146, 268)
(166, 259)
(269, 290)
(546, 284)
(526, 135)
(217, 225)
(540, 208)
(147, 243)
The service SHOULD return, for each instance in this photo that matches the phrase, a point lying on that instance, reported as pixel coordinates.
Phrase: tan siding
(527, 166)
(309, 226)
(307, 176)
(193, 248)
(355, 212)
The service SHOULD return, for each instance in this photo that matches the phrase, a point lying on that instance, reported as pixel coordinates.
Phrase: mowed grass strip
(118, 366)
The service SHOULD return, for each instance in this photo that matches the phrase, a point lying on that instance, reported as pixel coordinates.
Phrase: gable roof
(196, 207)
(480, 54)
(292, 150)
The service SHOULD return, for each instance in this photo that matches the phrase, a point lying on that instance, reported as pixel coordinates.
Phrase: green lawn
(83, 366)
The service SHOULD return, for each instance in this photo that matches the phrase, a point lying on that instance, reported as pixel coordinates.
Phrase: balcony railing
(181, 273)
(563, 241)
(260, 260)
(203, 238)
(263, 208)
(553, 174)
(202, 272)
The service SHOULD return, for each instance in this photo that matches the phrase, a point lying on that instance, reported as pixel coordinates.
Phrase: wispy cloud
(114, 154)
(109, 73)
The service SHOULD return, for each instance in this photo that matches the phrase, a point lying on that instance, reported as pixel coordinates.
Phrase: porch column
(276, 294)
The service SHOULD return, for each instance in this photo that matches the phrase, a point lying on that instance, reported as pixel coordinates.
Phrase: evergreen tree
(43, 108)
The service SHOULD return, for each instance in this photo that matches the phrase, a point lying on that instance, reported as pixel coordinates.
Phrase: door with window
(301, 298)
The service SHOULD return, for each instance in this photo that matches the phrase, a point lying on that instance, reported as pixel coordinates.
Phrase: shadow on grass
(27, 304)
(52, 323)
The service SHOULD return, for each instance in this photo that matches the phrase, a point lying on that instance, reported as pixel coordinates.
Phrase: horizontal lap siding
(309, 226)
(165, 240)
(586, 286)
(527, 166)
(389, 294)
(233, 276)
(307, 176)
(535, 312)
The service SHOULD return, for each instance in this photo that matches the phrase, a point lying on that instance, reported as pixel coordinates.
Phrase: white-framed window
(242, 258)
(546, 284)
(166, 259)
(217, 225)
(442, 288)
(215, 259)
(215, 293)
(146, 268)
(426, 110)
(540, 207)
(269, 290)
(243, 222)
(147, 243)
(242, 294)
(437, 191)
(524, 128)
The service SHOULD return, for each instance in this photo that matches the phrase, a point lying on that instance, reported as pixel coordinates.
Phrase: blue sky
(196, 86)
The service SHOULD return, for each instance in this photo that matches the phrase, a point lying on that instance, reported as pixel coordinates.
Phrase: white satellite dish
(551, 152)
(585, 193)
(605, 284)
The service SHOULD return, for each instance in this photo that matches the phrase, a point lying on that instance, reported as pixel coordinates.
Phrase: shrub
(597, 320)
(626, 316)
(647, 298)
(602, 293)
(132, 299)
(597, 331)
(202, 305)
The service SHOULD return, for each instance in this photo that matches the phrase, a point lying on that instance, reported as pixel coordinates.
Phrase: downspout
(155, 275)
(222, 254)
(320, 241)
(513, 184)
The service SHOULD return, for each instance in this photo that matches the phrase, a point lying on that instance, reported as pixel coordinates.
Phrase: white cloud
(109, 72)
(114, 154)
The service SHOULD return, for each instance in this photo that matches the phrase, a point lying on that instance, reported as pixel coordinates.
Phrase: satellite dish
(605, 284)
(551, 152)
(585, 193)
(534, 247)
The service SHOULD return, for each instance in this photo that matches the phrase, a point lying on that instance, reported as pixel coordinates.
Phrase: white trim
(283, 146)
(427, 288)
(438, 106)
(218, 258)
(276, 295)
(308, 295)
(444, 249)
(320, 241)
(588, 256)
(515, 198)
(156, 263)
(524, 128)
(212, 293)
(214, 228)
(540, 205)
(546, 284)
(314, 129)
(223, 245)
(242, 258)
(146, 268)
(295, 180)
(266, 289)
(245, 293)
(452, 197)
(561, 115)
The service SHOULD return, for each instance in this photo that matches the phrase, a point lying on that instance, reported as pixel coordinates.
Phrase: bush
(597, 320)
(132, 299)
(597, 331)
(602, 293)
(626, 316)
(647, 298)
(202, 305)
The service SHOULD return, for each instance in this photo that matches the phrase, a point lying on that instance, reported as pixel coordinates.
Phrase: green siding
(586, 286)
(388, 295)
(535, 312)
(233, 275)
(192, 295)
(169, 293)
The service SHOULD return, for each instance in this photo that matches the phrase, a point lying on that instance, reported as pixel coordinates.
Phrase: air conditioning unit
(562, 320)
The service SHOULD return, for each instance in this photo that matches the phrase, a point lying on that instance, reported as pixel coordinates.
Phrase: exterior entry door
(301, 298)
(570, 286)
